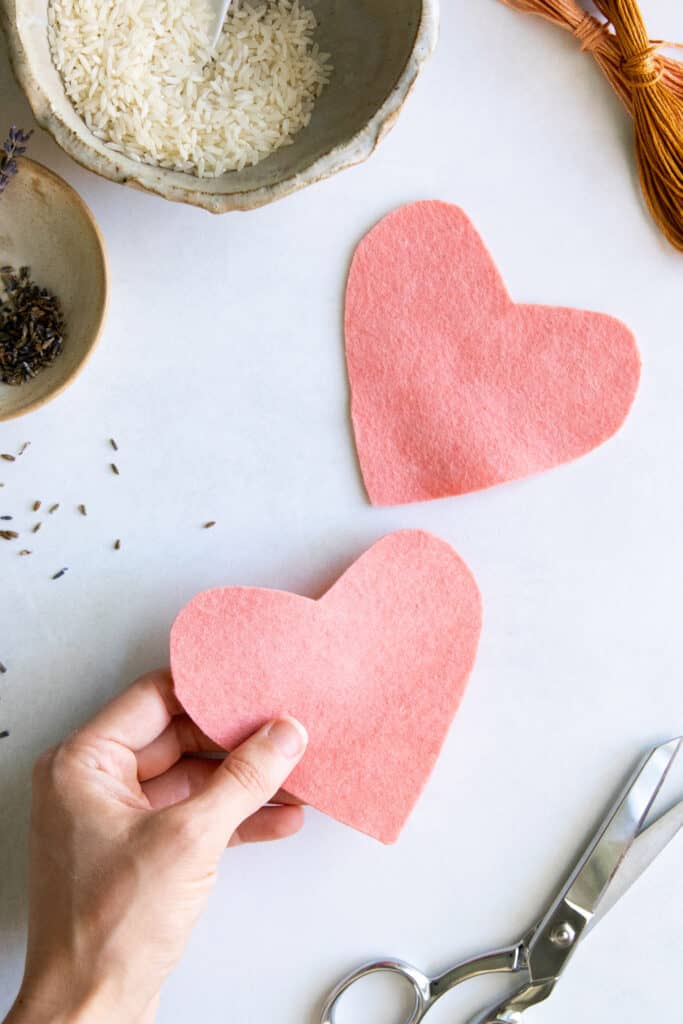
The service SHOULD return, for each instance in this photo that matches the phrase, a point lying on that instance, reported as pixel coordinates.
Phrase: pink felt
(454, 387)
(375, 670)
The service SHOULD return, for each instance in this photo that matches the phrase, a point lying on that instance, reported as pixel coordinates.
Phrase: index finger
(139, 715)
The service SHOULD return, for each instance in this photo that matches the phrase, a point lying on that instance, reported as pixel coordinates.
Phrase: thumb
(249, 777)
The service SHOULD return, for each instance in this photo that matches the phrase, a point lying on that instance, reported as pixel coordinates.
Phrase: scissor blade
(553, 941)
(614, 839)
(646, 848)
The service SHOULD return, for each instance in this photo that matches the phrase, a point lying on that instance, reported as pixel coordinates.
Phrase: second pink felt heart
(375, 670)
(454, 387)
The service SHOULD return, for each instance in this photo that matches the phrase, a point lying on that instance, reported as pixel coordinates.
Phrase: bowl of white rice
(292, 92)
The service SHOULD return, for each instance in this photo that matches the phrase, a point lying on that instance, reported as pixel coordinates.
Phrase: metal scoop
(219, 9)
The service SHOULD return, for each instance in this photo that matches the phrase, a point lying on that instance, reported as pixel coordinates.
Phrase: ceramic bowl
(378, 48)
(46, 226)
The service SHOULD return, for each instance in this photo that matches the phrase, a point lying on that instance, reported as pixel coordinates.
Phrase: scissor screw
(562, 936)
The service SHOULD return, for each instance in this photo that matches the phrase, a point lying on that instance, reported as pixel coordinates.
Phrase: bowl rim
(66, 381)
(345, 154)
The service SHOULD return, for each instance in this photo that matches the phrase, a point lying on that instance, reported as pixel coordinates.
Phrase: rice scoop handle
(375, 669)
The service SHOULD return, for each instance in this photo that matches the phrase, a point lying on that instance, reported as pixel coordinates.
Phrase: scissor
(621, 849)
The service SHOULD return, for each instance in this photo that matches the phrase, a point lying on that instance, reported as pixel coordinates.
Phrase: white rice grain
(145, 81)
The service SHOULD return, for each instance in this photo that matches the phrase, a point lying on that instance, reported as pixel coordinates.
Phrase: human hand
(126, 836)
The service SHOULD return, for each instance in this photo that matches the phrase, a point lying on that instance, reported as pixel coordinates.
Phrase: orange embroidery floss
(649, 84)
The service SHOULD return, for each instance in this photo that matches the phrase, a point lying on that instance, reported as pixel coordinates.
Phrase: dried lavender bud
(117, 544)
(2, 669)
(8, 534)
(61, 572)
(13, 146)
(53, 508)
(36, 528)
(23, 448)
(114, 468)
(211, 522)
(31, 327)
(83, 510)
(25, 551)
(4, 734)
(7, 457)
(113, 443)
(6, 519)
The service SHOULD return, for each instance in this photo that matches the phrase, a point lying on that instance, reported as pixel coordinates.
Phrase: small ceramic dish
(46, 226)
(377, 47)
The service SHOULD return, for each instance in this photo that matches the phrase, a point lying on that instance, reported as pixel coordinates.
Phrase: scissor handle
(428, 990)
(420, 983)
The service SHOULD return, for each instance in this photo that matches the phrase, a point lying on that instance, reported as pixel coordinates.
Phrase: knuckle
(186, 830)
(60, 764)
(42, 766)
(248, 775)
(59, 767)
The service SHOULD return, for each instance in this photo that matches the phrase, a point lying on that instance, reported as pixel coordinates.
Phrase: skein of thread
(649, 84)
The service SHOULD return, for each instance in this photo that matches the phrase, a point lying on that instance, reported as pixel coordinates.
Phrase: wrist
(29, 1010)
(42, 1002)
(58, 998)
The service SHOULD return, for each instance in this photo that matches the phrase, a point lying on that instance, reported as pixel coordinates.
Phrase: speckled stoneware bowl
(46, 226)
(378, 48)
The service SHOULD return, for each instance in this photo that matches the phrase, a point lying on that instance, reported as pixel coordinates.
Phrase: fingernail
(289, 736)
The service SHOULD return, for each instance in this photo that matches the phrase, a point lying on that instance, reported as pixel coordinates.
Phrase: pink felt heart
(375, 670)
(454, 387)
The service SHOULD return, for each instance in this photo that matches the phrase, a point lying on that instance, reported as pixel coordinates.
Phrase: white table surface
(221, 374)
